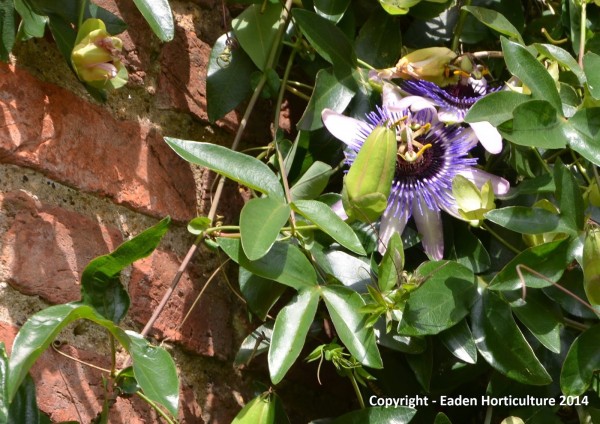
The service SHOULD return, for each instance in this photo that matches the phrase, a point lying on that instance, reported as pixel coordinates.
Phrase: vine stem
(582, 32)
(459, 26)
(357, 391)
(219, 190)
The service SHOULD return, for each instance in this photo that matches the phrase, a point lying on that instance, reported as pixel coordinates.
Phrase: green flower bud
(591, 265)
(369, 180)
(96, 56)
(472, 202)
(537, 239)
(431, 64)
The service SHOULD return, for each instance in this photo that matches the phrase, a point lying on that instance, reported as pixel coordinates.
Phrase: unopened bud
(430, 64)
(472, 202)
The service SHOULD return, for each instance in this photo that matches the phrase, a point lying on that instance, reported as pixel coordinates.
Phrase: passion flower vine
(429, 155)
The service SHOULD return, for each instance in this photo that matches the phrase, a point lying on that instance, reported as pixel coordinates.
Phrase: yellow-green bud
(369, 180)
(591, 265)
(537, 239)
(472, 203)
(430, 64)
(96, 56)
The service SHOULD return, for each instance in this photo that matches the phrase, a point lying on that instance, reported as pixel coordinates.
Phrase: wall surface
(77, 178)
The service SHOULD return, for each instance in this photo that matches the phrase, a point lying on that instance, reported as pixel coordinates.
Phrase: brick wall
(77, 178)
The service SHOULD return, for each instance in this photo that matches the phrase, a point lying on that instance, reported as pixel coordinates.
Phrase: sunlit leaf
(581, 364)
(255, 29)
(261, 220)
(159, 16)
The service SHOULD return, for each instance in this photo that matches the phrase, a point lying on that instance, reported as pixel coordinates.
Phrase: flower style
(96, 56)
(453, 101)
(430, 154)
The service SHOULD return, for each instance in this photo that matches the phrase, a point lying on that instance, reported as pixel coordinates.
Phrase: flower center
(415, 157)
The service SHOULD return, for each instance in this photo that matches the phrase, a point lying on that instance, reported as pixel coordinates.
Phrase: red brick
(50, 129)
(208, 329)
(47, 247)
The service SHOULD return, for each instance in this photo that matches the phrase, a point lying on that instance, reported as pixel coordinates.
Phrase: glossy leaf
(468, 250)
(3, 384)
(379, 41)
(324, 218)
(496, 108)
(234, 165)
(284, 263)
(254, 344)
(548, 259)
(255, 29)
(329, 92)
(442, 301)
(33, 25)
(343, 305)
(591, 64)
(563, 57)
(495, 21)
(442, 418)
(570, 199)
(332, 10)
(8, 31)
(583, 134)
(261, 220)
(312, 182)
(23, 408)
(528, 220)
(502, 344)
(290, 330)
(378, 415)
(199, 224)
(350, 270)
(330, 42)
(41, 329)
(521, 63)
(422, 366)
(542, 317)
(227, 67)
(259, 293)
(155, 372)
(459, 342)
(101, 287)
(392, 264)
(581, 364)
(159, 16)
(263, 409)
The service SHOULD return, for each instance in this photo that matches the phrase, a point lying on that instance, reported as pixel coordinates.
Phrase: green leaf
(234, 165)
(326, 219)
(496, 108)
(581, 363)
(330, 42)
(442, 301)
(159, 16)
(332, 10)
(528, 220)
(155, 372)
(563, 58)
(254, 344)
(591, 64)
(23, 408)
(584, 132)
(3, 384)
(379, 41)
(284, 263)
(495, 21)
(255, 29)
(548, 259)
(312, 182)
(41, 329)
(101, 287)
(8, 31)
(227, 67)
(502, 344)
(33, 25)
(350, 270)
(392, 264)
(260, 293)
(570, 199)
(536, 123)
(329, 92)
(290, 330)
(521, 63)
(442, 418)
(261, 220)
(343, 305)
(542, 317)
(422, 366)
(468, 249)
(378, 415)
(263, 409)
(199, 224)
(459, 342)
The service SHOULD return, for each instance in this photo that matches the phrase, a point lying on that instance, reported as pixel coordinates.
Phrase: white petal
(391, 224)
(429, 225)
(344, 128)
(500, 185)
(449, 116)
(339, 210)
(488, 136)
